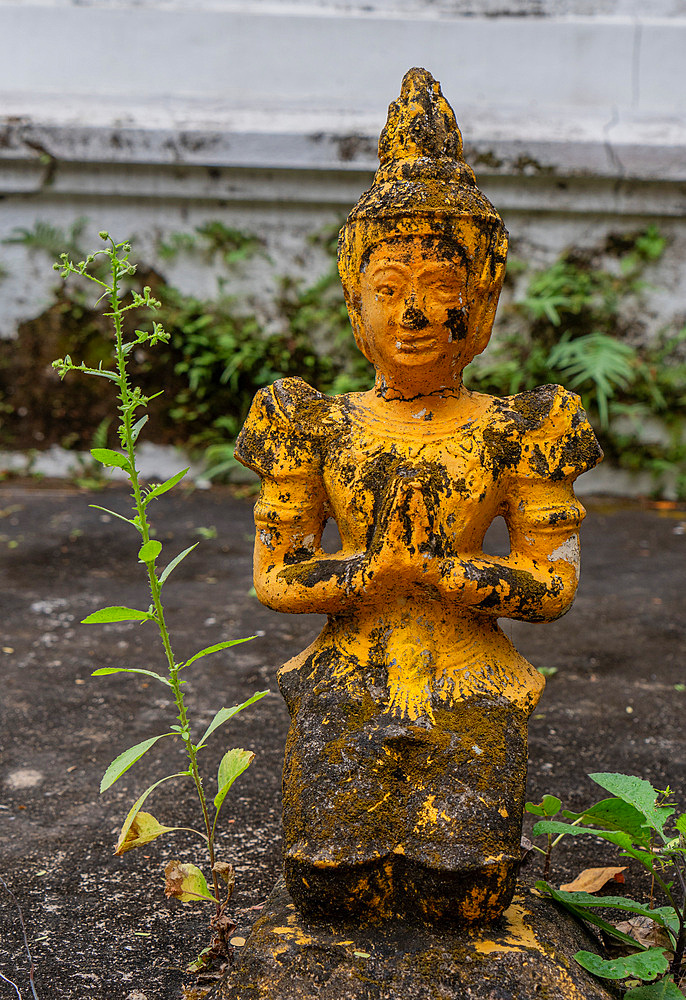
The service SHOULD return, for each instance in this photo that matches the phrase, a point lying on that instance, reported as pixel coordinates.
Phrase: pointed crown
(423, 185)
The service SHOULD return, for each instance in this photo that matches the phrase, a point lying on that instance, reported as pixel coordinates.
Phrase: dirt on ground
(100, 926)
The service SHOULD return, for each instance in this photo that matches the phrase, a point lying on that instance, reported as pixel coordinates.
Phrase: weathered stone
(405, 764)
(526, 954)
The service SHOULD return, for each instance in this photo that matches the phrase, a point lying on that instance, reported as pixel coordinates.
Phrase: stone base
(527, 953)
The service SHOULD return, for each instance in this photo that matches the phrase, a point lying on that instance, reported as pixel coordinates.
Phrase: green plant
(574, 325)
(574, 322)
(636, 821)
(50, 239)
(212, 239)
(224, 356)
(183, 881)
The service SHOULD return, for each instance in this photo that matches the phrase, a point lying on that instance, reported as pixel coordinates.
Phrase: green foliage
(643, 965)
(571, 327)
(575, 322)
(636, 820)
(185, 882)
(664, 989)
(223, 355)
(50, 239)
(212, 240)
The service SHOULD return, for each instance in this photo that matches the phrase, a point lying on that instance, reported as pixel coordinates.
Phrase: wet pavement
(100, 926)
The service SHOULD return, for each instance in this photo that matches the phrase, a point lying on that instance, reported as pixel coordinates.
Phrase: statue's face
(414, 312)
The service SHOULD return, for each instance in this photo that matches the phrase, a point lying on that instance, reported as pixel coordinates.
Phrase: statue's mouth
(412, 343)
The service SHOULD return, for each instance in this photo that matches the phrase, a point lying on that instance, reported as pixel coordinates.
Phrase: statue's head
(424, 211)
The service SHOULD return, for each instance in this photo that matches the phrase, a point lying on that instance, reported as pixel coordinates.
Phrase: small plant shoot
(637, 820)
(110, 268)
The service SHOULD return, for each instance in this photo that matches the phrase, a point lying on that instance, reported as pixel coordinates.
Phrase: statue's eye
(386, 291)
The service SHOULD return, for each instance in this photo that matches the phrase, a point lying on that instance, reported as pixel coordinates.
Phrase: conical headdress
(423, 185)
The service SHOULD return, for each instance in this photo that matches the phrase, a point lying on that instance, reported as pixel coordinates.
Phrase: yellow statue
(406, 757)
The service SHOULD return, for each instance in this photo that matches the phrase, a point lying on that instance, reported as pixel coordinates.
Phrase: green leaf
(680, 824)
(149, 551)
(232, 765)
(554, 826)
(644, 964)
(615, 814)
(138, 427)
(116, 614)
(666, 916)
(110, 459)
(549, 806)
(121, 517)
(136, 807)
(161, 488)
(130, 670)
(217, 647)
(175, 562)
(224, 714)
(127, 759)
(587, 915)
(638, 793)
(186, 882)
(665, 989)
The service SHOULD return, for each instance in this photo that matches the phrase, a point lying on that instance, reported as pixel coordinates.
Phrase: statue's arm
(537, 581)
(291, 571)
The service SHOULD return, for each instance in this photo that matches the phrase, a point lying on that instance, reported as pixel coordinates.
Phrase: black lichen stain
(504, 451)
(457, 323)
(533, 406)
(525, 591)
(414, 319)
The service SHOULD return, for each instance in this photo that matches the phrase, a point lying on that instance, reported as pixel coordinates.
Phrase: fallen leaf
(647, 932)
(593, 879)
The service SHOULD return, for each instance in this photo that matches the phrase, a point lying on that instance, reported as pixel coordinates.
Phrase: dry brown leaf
(647, 932)
(593, 879)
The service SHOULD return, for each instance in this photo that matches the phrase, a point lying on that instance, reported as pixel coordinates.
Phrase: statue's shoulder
(554, 437)
(540, 408)
(284, 426)
(293, 400)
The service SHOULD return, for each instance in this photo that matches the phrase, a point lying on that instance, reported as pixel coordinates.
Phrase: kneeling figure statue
(405, 766)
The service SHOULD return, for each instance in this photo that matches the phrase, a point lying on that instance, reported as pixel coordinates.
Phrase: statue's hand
(400, 555)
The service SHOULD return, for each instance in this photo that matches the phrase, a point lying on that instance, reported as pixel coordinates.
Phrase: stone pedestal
(527, 953)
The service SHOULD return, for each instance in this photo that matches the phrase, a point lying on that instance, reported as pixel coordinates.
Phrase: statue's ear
(485, 301)
(353, 304)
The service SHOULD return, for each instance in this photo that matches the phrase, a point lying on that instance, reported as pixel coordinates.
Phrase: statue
(405, 764)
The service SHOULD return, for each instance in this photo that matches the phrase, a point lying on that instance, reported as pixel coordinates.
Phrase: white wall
(153, 116)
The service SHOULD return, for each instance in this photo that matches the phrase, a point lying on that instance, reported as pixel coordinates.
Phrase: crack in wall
(612, 154)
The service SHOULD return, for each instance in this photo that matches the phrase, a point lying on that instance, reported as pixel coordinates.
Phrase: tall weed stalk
(109, 269)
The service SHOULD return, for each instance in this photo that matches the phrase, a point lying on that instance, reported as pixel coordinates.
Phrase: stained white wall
(153, 116)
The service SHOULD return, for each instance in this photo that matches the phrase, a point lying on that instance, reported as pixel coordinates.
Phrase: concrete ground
(100, 926)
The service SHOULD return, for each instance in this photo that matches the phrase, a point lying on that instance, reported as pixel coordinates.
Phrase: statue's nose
(413, 318)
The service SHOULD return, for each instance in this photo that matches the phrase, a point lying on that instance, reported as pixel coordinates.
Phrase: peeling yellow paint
(520, 936)
(295, 934)
(428, 813)
(386, 796)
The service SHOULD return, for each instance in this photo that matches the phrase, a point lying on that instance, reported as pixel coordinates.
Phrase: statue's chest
(445, 483)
